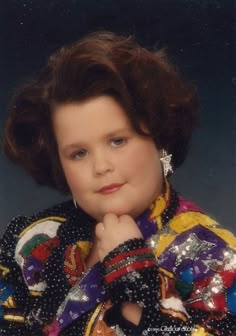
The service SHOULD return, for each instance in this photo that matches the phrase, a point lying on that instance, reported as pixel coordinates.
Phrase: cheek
(144, 160)
(73, 177)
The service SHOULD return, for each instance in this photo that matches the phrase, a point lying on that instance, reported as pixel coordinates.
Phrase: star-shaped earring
(166, 163)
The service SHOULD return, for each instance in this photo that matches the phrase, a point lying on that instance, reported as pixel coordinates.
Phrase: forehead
(95, 115)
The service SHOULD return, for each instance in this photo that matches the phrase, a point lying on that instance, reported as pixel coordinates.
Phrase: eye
(79, 154)
(118, 142)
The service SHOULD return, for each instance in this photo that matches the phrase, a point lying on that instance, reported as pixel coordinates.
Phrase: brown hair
(146, 83)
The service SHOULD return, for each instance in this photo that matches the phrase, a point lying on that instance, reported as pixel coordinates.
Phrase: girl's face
(108, 166)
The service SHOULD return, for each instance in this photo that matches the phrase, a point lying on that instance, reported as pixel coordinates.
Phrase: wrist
(130, 273)
(133, 255)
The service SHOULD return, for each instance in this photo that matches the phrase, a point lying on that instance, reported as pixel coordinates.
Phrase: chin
(115, 209)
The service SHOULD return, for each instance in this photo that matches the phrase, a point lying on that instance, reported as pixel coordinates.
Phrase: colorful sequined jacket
(182, 274)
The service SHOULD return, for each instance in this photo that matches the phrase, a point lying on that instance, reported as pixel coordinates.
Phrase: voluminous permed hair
(145, 83)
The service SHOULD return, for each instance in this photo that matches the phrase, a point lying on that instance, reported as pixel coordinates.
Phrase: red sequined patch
(73, 264)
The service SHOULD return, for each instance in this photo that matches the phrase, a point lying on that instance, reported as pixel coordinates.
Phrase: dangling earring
(166, 163)
(75, 204)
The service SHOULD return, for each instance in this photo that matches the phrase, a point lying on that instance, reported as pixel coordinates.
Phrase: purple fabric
(31, 268)
(197, 260)
(91, 286)
(147, 227)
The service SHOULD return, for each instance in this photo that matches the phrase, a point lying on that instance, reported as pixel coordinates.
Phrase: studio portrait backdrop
(199, 35)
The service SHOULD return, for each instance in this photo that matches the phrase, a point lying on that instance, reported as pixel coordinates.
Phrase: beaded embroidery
(188, 256)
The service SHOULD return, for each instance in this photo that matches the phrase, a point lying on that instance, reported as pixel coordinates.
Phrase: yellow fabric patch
(92, 319)
(158, 207)
(164, 242)
(84, 247)
(166, 273)
(188, 220)
(9, 303)
(4, 270)
(226, 235)
(199, 332)
(36, 293)
(160, 204)
(14, 318)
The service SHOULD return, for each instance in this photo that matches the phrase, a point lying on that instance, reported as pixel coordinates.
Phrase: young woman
(108, 121)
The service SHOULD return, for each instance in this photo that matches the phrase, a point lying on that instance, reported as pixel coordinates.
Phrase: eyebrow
(108, 135)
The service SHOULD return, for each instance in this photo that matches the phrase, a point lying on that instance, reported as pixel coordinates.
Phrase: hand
(113, 231)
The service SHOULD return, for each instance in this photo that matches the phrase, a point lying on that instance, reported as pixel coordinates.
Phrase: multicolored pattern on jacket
(42, 259)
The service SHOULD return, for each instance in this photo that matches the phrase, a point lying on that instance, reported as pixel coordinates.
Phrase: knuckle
(109, 217)
(98, 229)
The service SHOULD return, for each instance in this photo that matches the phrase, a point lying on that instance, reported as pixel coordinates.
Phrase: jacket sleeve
(14, 294)
(131, 274)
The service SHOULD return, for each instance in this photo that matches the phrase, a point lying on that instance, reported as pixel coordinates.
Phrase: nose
(102, 163)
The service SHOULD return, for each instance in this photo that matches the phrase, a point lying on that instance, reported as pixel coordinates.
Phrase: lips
(108, 189)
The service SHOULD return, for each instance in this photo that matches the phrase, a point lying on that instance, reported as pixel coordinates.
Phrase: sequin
(191, 248)
(189, 273)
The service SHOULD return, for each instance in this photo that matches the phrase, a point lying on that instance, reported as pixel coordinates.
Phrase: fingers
(110, 219)
(99, 230)
(114, 230)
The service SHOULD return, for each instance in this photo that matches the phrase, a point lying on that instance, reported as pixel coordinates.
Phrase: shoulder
(45, 225)
(19, 223)
(198, 259)
(25, 232)
(191, 219)
(31, 241)
(192, 230)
